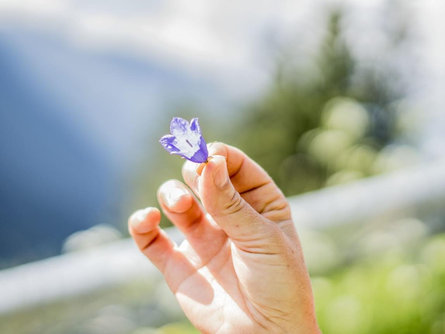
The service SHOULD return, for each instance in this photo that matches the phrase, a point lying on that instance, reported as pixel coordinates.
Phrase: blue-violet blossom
(186, 140)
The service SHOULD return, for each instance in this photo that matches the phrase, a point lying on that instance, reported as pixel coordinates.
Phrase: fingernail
(220, 176)
(214, 148)
(190, 167)
(210, 146)
(201, 166)
(138, 217)
(172, 194)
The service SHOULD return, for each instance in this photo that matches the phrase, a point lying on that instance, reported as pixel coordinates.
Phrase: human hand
(241, 267)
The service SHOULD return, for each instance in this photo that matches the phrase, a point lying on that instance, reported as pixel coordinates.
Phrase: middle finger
(184, 211)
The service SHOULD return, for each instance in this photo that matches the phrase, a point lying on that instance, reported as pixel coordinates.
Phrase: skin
(241, 267)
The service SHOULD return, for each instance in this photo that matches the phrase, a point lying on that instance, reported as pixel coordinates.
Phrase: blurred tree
(326, 125)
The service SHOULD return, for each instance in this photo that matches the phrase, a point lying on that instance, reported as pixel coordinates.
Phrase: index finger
(244, 173)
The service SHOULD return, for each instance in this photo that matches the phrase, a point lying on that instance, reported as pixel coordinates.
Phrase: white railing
(371, 198)
(81, 272)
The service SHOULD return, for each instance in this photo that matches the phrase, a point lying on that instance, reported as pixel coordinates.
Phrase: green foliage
(389, 294)
(173, 328)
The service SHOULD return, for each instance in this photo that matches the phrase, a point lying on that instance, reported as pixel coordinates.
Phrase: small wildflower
(186, 140)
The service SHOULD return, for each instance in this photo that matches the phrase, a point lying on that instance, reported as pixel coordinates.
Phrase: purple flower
(186, 140)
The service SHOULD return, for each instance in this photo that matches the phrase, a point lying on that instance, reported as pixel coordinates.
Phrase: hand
(241, 267)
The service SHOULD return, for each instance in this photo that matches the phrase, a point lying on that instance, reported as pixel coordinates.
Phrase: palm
(214, 295)
(211, 296)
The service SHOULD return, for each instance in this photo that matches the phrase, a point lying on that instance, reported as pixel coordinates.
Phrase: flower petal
(168, 142)
(186, 140)
(201, 155)
(194, 126)
(179, 126)
(181, 155)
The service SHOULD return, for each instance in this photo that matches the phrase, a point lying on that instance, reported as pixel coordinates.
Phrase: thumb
(231, 212)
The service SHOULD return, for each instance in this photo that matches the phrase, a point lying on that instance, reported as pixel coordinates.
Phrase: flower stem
(202, 165)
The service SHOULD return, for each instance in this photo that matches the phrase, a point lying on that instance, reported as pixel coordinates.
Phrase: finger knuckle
(234, 205)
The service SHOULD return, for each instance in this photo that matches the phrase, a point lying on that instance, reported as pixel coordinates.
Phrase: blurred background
(342, 102)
